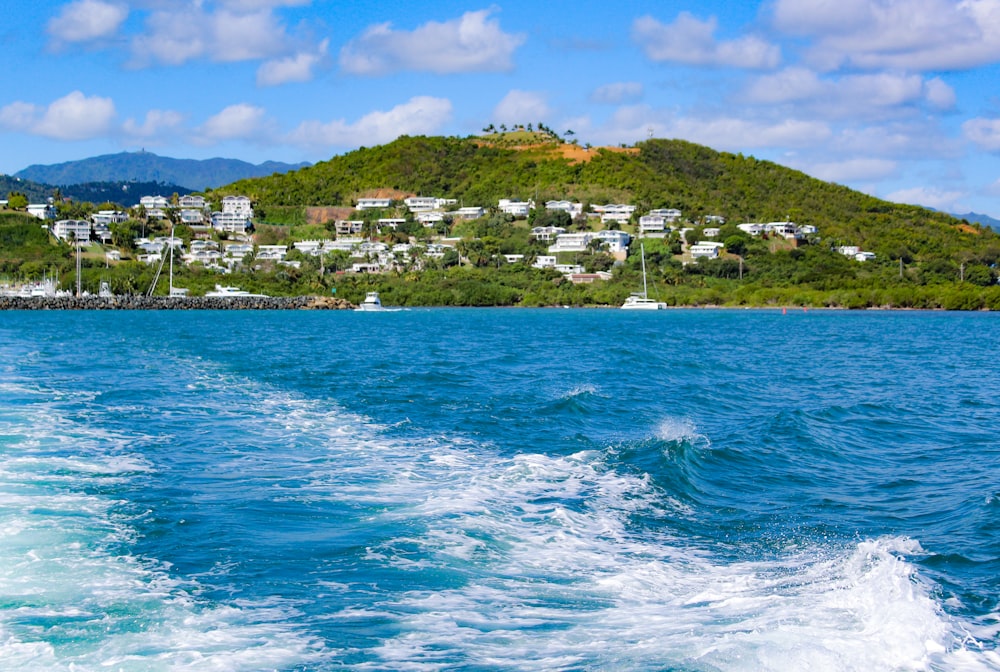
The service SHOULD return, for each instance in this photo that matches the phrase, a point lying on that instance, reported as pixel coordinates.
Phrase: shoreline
(174, 303)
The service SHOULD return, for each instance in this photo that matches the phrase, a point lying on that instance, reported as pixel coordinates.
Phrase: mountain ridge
(143, 166)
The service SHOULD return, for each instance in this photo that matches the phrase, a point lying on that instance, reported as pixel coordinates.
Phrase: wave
(426, 552)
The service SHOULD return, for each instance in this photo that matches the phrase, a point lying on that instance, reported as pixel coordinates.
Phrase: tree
(17, 201)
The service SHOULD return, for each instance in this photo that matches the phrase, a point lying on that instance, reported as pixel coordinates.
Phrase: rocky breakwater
(174, 303)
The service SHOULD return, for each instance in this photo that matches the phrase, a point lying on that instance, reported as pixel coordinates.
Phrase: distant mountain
(148, 167)
(977, 218)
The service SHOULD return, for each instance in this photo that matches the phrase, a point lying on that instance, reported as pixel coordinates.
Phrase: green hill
(657, 173)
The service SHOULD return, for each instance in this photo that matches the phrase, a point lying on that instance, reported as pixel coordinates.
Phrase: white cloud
(916, 35)
(931, 197)
(867, 96)
(985, 133)
(734, 134)
(72, 117)
(617, 93)
(472, 43)
(916, 140)
(156, 124)
(422, 115)
(236, 122)
(690, 41)
(182, 32)
(852, 170)
(633, 123)
(87, 20)
(521, 107)
(297, 68)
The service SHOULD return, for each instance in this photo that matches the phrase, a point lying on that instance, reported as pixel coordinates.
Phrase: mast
(642, 252)
(171, 291)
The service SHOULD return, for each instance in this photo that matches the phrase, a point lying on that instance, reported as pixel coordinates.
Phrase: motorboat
(371, 303)
(641, 301)
(228, 291)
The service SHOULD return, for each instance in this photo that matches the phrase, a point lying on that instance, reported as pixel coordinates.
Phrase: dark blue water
(499, 490)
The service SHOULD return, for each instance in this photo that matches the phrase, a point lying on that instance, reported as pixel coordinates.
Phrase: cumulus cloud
(632, 123)
(521, 107)
(852, 170)
(985, 133)
(931, 197)
(72, 117)
(297, 68)
(236, 122)
(617, 93)
(887, 34)
(858, 96)
(156, 124)
(690, 41)
(183, 32)
(472, 43)
(421, 115)
(87, 20)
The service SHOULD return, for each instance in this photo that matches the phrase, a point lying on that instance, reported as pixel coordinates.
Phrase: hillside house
(373, 203)
(71, 230)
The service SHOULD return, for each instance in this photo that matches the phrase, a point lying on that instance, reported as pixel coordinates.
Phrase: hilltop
(145, 166)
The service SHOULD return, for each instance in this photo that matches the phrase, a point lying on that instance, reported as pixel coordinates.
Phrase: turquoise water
(499, 490)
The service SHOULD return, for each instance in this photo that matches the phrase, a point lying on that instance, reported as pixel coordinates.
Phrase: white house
(652, 224)
(705, 249)
(238, 250)
(546, 232)
(615, 241)
(348, 227)
(108, 217)
(670, 215)
(71, 229)
(271, 252)
(192, 217)
(238, 205)
(42, 210)
(751, 228)
(515, 208)
(155, 206)
(229, 222)
(430, 218)
(472, 212)
(542, 261)
(373, 203)
(421, 203)
(191, 202)
(711, 232)
(573, 209)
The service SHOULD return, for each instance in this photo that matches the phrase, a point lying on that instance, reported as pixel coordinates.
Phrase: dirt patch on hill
(966, 228)
(577, 154)
(322, 215)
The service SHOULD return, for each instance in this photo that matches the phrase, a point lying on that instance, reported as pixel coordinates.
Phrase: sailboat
(642, 301)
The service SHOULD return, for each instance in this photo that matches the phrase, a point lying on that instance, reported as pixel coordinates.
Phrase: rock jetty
(174, 303)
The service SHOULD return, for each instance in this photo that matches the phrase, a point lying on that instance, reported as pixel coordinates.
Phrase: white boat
(227, 291)
(642, 301)
(371, 303)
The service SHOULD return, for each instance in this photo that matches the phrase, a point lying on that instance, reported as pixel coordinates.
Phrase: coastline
(174, 303)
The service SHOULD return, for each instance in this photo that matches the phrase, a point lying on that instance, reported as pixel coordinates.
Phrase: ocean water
(499, 490)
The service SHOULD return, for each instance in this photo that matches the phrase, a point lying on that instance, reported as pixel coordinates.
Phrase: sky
(897, 98)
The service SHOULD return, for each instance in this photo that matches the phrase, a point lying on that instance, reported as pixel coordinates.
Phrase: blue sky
(897, 98)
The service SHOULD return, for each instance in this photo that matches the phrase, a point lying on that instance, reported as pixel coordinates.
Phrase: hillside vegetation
(657, 173)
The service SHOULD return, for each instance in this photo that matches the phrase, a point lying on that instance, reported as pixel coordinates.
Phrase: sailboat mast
(642, 252)
(171, 292)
